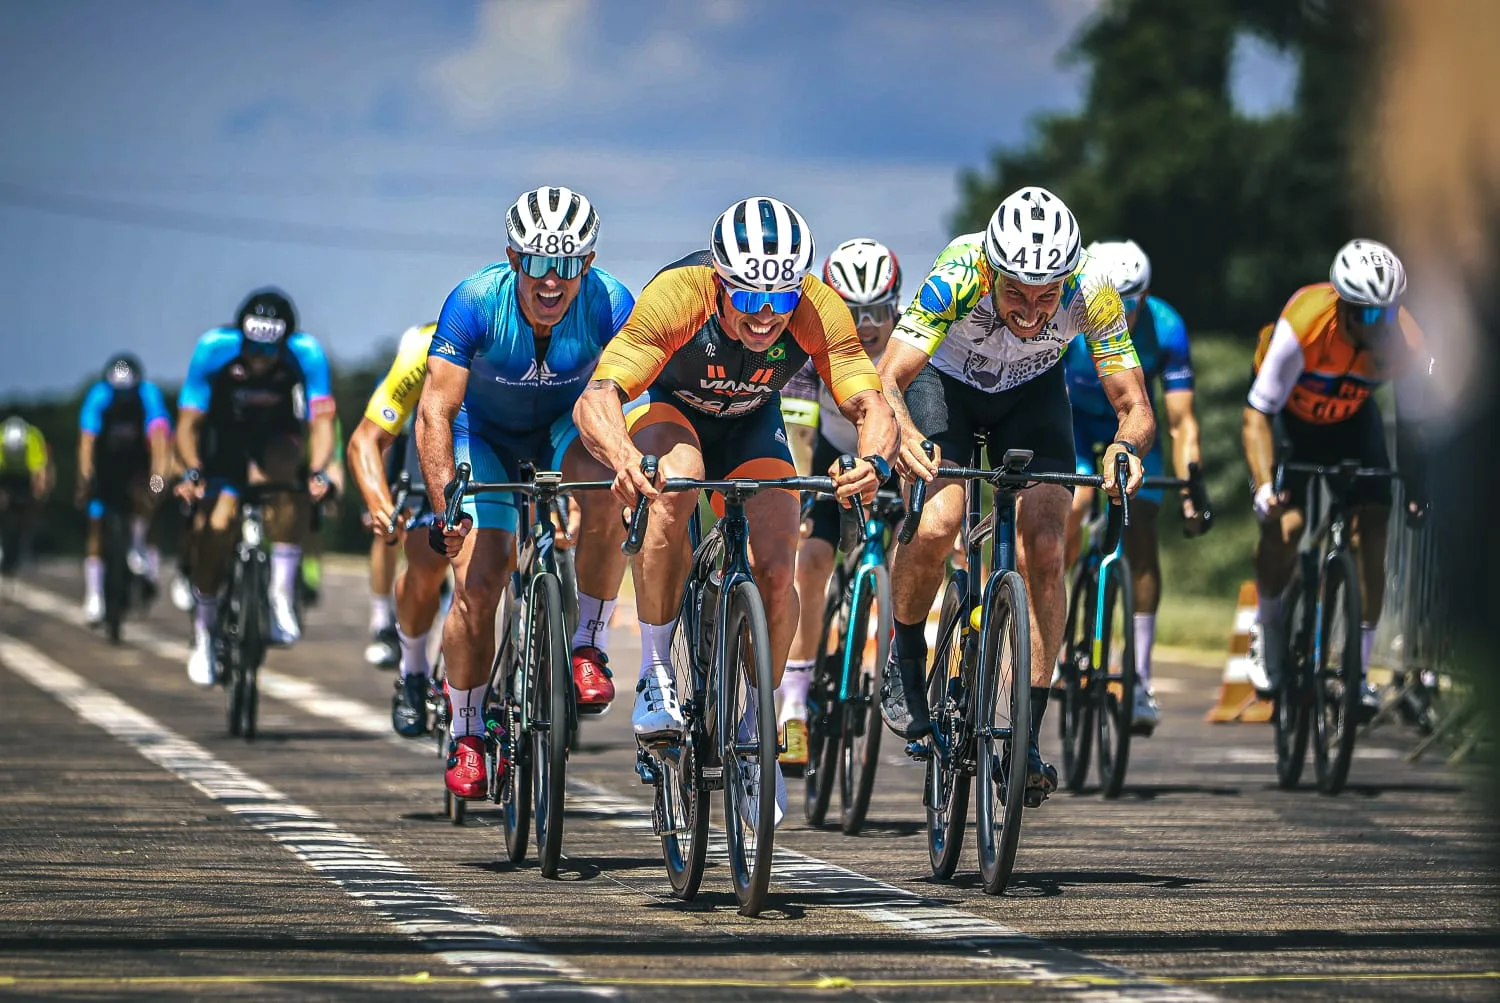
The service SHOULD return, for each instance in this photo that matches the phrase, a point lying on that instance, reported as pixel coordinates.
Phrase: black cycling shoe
(409, 706)
(1041, 778)
(903, 697)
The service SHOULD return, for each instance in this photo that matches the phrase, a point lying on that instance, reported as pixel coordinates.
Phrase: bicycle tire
(750, 841)
(682, 803)
(1114, 705)
(1075, 718)
(1003, 688)
(116, 539)
(552, 702)
(1291, 717)
(454, 809)
(514, 791)
(227, 632)
(946, 788)
(824, 713)
(255, 624)
(1336, 687)
(567, 577)
(859, 738)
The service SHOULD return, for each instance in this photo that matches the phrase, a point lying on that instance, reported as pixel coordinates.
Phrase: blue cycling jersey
(101, 397)
(219, 348)
(483, 330)
(1161, 341)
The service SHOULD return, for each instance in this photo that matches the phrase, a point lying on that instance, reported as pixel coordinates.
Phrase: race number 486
(553, 243)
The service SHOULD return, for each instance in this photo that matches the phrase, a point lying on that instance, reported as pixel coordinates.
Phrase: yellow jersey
(395, 399)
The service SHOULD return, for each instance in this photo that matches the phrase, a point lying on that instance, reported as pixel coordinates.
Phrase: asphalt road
(146, 854)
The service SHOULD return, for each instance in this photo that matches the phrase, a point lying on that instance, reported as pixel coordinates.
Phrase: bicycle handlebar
(846, 464)
(454, 492)
(635, 529)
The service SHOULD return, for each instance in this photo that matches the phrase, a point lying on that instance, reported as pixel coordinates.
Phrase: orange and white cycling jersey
(1307, 365)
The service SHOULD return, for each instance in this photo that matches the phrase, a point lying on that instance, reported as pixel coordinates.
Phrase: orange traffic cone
(1237, 700)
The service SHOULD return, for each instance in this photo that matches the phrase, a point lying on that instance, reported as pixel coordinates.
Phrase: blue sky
(158, 160)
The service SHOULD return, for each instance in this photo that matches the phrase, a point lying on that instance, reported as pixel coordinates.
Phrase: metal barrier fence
(1414, 634)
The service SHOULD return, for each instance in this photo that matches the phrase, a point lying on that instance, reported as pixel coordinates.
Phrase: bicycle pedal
(919, 750)
(1034, 797)
(645, 767)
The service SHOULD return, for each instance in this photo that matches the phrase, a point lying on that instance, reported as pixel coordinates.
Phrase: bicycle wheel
(1075, 718)
(116, 534)
(868, 642)
(551, 717)
(681, 809)
(1114, 703)
(514, 792)
(946, 790)
(1338, 675)
(1004, 728)
(567, 577)
(1291, 717)
(255, 630)
(454, 809)
(824, 713)
(747, 709)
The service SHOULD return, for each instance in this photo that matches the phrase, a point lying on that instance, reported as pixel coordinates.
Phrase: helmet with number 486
(557, 222)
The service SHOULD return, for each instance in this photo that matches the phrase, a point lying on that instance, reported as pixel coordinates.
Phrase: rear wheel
(681, 800)
(256, 624)
(868, 642)
(116, 534)
(1114, 705)
(1339, 676)
(1075, 720)
(946, 794)
(748, 740)
(824, 712)
(552, 706)
(1291, 717)
(1003, 689)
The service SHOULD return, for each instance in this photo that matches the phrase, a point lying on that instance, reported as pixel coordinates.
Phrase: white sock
(468, 710)
(593, 622)
(153, 563)
(1145, 637)
(656, 644)
(1366, 644)
(93, 577)
(205, 613)
(284, 561)
(138, 527)
(414, 654)
(382, 612)
(793, 690)
(1268, 608)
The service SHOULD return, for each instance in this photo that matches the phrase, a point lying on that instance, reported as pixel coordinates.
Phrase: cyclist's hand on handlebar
(1194, 523)
(1267, 502)
(190, 490)
(861, 480)
(1416, 512)
(631, 482)
(912, 461)
(449, 540)
(564, 536)
(382, 521)
(1137, 471)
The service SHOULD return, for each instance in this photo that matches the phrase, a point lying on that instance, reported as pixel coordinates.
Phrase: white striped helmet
(1123, 263)
(761, 244)
(558, 222)
(863, 271)
(1367, 273)
(1033, 238)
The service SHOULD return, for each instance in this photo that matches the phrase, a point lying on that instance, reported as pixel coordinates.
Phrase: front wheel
(946, 791)
(1004, 728)
(1291, 716)
(681, 801)
(747, 709)
(1114, 705)
(116, 533)
(1075, 719)
(825, 714)
(868, 645)
(551, 717)
(514, 791)
(1338, 678)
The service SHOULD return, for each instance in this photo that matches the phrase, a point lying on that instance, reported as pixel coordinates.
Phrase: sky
(160, 160)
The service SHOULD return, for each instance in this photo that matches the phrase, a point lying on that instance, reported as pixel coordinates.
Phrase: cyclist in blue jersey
(124, 457)
(515, 344)
(1161, 342)
(257, 406)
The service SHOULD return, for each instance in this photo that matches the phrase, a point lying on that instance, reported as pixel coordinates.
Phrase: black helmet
(269, 314)
(124, 371)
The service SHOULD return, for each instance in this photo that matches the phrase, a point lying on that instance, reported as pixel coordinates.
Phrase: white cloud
(522, 54)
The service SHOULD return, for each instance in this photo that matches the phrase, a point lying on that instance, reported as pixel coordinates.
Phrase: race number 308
(770, 269)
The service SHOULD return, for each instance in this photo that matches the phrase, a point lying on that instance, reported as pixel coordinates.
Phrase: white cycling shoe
(1147, 713)
(93, 610)
(657, 714)
(181, 591)
(285, 631)
(201, 667)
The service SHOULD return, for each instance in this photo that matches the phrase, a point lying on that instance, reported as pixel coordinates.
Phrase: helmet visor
(751, 302)
(538, 265)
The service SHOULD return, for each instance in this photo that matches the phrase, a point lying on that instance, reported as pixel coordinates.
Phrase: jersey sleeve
(212, 353)
(37, 454)
(157, 416)
(395, 397)
(799, 398)
(309, 355)
(1279, 364)
(91, 415)
(958, 281)
(827, 333)
(669, 311)
(463, 324)
(1172, 340)
(1100, 316)
(621, 303)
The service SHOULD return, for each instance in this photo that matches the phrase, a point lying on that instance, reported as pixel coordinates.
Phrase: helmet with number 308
(761, 244)
(1033, 238)
(557, 222)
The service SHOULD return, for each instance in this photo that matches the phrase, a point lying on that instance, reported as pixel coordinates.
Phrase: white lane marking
(887, 905)
(433, 917)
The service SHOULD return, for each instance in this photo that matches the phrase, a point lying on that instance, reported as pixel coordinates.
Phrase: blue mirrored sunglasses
(748, 302)
(1372, 315)
(538, 265)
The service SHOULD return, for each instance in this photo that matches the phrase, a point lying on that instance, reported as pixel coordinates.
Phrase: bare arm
(188, 423)
(85, 460)
(320, 440)
(1260, 446)
(600, 417)
(161, 452)
(366, 449)
(898, 367)
(873, 416)
(1182, 422)
(442, 396)
(1126, 391)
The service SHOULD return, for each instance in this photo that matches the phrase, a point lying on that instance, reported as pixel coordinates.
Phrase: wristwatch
(882, 467)
(1127, 447)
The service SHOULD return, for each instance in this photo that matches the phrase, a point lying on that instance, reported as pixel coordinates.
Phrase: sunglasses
(748, 302)
(1369, 316)
(872, 313)
(538, 265)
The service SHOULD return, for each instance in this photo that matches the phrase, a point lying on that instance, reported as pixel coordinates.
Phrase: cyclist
(530, 329)
(25, 481)
(384, 647)
(256, 407)
(979, 349)
(385, 429)
(124, 458)
(715, 336)
(1316, 369)
(310, 573)
(1161, 344)
(867, 277)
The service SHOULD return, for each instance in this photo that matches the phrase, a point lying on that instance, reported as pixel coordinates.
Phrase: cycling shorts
(827, 515)
(494, 460)
(752, 445)
(227, 467)
(1090, 435)
(1359, 437)
(1034, 415)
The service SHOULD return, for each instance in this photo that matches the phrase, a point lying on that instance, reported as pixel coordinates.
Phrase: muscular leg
(1141, 550)
(814, 568)
(773, 518)
(469, 633)
(1041, 516)
(917, 568)
(600, 565)
(382, 580)
(1370, 525)
(661, 568)
(1082, 500)
(212, 540)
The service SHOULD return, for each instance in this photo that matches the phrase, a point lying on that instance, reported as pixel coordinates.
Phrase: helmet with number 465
(558, 222)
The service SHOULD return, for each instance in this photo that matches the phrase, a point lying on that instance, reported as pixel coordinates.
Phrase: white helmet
(1033, 238)
(1367, 273)
(863, 271)
(14, 436)
(1123, 263)
(552, 221)
(762, 244)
